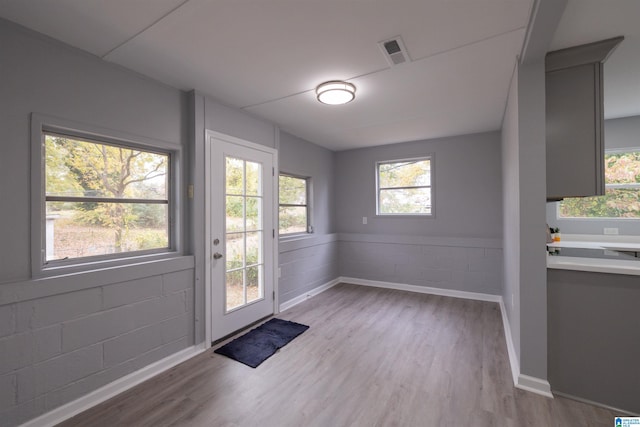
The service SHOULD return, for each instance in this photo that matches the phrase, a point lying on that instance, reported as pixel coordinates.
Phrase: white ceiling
(266, 57)
(586, 21)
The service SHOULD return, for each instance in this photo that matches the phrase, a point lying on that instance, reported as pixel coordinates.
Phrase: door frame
(208, 205)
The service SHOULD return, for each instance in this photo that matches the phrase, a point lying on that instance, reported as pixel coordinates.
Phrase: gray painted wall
(309, 261)
(511, 212)
(594, 340)
(524, 197)
(63, 337)
(240, 124)
(461, 264)
(459, 248)
(306, 264)
(467, 186)
(618, 133)
(533, 192)
(300, 157)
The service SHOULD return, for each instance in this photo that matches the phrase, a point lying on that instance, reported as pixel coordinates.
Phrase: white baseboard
(534, 385)
(617, 411)
(521, 381)
(511, 349)
(114, 388)
(422, 289)
(313, 292)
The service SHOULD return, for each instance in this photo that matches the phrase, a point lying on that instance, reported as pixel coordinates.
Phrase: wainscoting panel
(305, 264)
(470, 265)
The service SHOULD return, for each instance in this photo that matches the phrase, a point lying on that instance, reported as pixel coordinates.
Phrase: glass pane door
(244, 233)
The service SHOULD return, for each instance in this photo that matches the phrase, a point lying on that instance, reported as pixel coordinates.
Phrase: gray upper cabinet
(575, 116)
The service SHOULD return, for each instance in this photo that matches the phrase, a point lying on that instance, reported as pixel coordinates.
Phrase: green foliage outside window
(101, 198)
(293, 209)
(622, 197)
(404, 187)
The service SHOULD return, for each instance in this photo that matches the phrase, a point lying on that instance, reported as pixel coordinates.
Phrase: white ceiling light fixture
(336, 92)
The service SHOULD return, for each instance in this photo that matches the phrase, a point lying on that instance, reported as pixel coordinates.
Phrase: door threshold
(250, 325)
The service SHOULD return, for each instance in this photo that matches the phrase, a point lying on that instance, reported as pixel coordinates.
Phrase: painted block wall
(306, 264)
(310, 260)
(64, 336)
(56, 349)
(459, 248)
(470, 265)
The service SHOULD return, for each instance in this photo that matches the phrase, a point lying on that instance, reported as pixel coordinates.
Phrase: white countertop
(597, 265)
(612, 246)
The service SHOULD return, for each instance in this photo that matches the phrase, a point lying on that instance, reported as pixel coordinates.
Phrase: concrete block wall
(58, 348)
(464, 264)
(306, 264)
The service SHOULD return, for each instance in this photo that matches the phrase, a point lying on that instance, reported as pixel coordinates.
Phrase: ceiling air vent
(394, 51)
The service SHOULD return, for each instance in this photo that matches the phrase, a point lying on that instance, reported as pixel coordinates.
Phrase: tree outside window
(404, 187)
(293, 205)
(622, 191)
(103, 198)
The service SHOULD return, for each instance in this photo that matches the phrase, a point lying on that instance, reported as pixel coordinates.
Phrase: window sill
(297, 236)
(53, 285)
(100, 264)
(406, 216)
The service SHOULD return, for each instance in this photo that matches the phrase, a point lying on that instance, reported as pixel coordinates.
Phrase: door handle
(217, 255)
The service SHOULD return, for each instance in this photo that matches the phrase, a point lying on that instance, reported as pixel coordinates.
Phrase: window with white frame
(622, 190)
(294, 205)
(404, 187)
(102, 199)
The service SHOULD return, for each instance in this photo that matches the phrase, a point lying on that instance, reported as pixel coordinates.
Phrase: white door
(242, 244)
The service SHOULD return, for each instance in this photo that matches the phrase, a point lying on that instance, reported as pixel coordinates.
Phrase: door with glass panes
(242, 233)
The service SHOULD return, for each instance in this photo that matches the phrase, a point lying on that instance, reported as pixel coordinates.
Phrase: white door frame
(209, 134)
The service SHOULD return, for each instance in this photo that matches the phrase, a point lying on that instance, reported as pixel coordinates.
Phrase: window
(294, 205)
(404, 187)
(622, 191)
(102, 199)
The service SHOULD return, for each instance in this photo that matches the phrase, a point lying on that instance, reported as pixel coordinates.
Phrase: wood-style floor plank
(372, 357)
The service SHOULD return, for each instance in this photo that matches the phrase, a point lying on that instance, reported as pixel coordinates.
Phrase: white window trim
(41, 123)
(431, 158)
(309, 187)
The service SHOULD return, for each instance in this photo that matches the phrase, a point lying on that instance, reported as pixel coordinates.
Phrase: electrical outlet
(279, 272)
(611, 231)
(364, 220)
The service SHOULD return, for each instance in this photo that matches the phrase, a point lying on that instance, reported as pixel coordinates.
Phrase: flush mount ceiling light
(336, 92)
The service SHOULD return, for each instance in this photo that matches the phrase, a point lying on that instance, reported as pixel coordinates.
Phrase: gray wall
(459, 248)
(524, 196)
(62, 337)
(594, 341)
(533, 196)
(467, 185)
(307, 262)
(300, 157)
(511, 212)
(618, 133)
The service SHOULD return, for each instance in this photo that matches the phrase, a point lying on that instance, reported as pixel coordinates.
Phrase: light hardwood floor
(371, 357)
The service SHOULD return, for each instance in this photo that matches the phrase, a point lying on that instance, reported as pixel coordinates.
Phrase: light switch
(364, 219)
